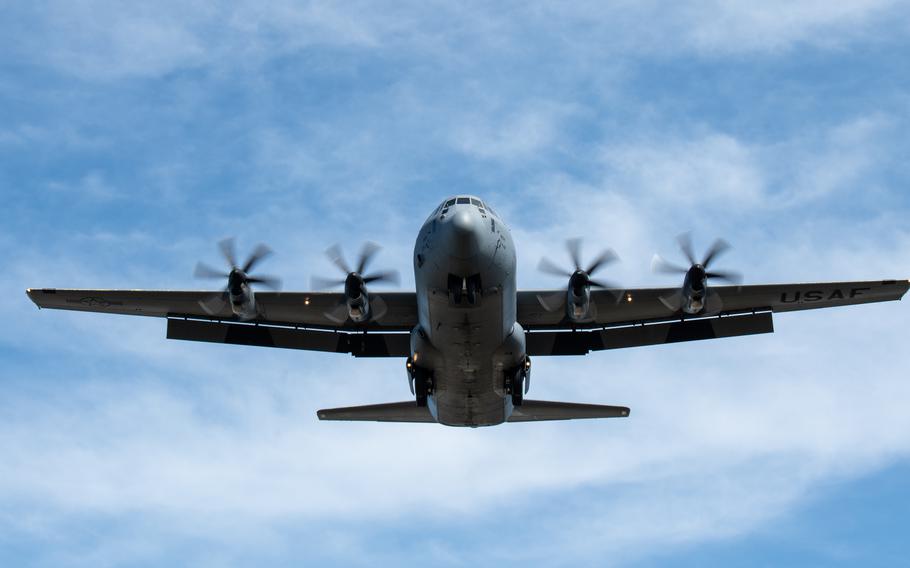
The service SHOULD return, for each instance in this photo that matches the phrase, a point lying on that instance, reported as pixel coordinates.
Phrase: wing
(636, 317)
(638, 305)
(290, 320)
(304, 309)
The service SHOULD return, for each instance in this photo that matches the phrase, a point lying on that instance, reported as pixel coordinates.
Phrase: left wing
(304, 309)
(290, 320)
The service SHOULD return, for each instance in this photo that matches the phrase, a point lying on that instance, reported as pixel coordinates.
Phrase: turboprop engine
(577, 299)
(239, 291)
(694, 297)
(357, 305)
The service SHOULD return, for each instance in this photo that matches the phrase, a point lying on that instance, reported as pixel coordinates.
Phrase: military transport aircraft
(467, 333)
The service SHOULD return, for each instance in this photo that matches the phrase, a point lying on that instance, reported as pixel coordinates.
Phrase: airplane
(467, 333)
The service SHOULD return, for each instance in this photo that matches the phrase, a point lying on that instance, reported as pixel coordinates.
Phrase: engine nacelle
(243, 302)
(359, 308)
(578, 303)
(694, 303)
(695, 291)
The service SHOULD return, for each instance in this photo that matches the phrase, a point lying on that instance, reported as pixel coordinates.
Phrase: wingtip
(31, 292)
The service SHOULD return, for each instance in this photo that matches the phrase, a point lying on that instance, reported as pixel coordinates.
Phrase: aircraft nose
(463, 235)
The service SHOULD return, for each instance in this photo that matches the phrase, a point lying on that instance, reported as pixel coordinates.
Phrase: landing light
(306, 301)
(629, 298)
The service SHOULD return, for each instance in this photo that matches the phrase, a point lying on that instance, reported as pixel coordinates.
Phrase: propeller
(579, 277)
(238, 274)
(700, 270)
(355, 282)
(355, 278)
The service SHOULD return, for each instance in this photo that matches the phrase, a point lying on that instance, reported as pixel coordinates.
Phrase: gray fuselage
(468, 337)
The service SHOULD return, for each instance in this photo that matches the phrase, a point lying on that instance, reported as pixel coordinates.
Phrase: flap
(373, 344)
(583, 342)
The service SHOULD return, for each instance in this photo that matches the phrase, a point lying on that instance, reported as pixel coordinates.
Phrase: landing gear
(421, 382)
(518, 380)
(518, 392)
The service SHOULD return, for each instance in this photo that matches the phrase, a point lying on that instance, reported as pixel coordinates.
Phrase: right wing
(642, 305)
(643, 316)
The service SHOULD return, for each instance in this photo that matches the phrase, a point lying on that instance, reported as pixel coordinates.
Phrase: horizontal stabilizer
(407, 411)
(537, 410)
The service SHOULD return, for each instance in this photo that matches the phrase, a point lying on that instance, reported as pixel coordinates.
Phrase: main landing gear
(421, 382)
(518, 380)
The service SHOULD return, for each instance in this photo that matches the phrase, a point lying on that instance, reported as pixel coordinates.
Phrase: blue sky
(133, 137)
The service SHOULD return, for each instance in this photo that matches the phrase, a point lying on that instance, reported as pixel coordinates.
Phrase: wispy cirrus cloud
(107, 41)
(306, 124)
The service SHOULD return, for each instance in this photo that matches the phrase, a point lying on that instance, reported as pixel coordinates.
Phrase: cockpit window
(450, 202)
(463, 201)
(476, 202)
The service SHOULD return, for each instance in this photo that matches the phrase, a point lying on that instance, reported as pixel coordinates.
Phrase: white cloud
(817, 165)
(508, 134)
(715, 452)
(108, 40)
(186, 441)
(710, 171)
(739, 431)
(742, 26)
(92, 185)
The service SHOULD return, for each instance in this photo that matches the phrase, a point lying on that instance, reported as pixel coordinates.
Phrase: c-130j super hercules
(467, 332)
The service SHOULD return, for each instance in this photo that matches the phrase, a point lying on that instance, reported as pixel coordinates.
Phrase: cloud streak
(142, 137)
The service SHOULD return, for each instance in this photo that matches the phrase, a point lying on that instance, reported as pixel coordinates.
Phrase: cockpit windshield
(472, 201)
